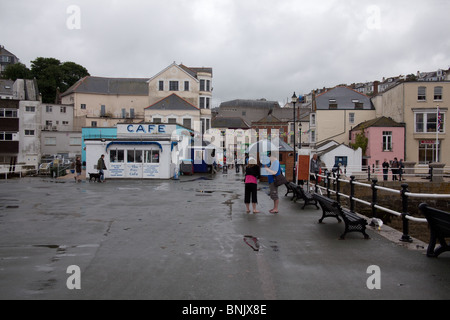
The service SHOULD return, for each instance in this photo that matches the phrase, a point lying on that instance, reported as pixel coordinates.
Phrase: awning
(133, 143)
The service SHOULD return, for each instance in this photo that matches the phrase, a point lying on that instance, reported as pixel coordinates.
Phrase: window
(8, 113)
(134, 156)
(208, 85)
(427, 151)
(83, 106)
(202, 102)
(187, 123)
(173, 85)
(124, 113)
(438, 93)
(332, 103)
(29, 132)
(48, 109)
(202, 85)
(30, 109)
(132, 113)
(62, 110)
(116, 155)
(50, 141)
(351, 117)
(6, 136)
(94, 124)
(186, 86)
(312, 136)
(151, 156)
(66, 123)
(313, 120)
(425, 122)
(422, 94)
(75, 141)
(156, 120)
(161, 85)
(387, 140)
(172, 120)
(102, 110)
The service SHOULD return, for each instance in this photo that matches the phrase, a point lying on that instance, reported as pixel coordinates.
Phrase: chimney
(375, 87)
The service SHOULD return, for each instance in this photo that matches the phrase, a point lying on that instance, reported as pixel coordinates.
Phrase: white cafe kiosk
(142, 151)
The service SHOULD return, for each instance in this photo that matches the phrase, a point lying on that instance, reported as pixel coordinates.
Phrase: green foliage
(16, 71)
(52, 75)
(361, 141)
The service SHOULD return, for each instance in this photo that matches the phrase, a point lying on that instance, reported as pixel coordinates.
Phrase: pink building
(386, 140)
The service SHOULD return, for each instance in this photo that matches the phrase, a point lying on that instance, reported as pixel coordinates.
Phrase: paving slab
(191, 239)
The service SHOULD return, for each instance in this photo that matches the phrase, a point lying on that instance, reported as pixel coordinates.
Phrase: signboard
(303, 167)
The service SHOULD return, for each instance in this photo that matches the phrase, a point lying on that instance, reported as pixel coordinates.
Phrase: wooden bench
(290, 187)
(439, 222)
(332, 208)
(300, 193)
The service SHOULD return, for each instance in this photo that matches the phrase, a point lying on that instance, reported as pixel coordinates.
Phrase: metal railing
(403, 193)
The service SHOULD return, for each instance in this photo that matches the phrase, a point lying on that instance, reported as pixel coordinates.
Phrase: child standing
(252, 173)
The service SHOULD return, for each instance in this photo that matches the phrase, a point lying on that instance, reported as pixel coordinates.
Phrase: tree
(52, 75)
(16, 71)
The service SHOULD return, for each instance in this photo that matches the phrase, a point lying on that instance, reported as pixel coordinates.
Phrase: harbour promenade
(191, 239)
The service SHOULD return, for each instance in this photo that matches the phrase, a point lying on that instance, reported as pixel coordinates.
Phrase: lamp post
(294, 100)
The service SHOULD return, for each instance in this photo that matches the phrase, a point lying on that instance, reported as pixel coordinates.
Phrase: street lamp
(294, 100)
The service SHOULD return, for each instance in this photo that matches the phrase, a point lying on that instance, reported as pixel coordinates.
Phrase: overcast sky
(257, 48)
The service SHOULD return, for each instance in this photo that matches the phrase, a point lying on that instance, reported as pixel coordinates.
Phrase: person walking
(314, 168)
(394, 169)
(78, 169)
(101, 166)
(385, 166)
(274, 170)
(252, 174)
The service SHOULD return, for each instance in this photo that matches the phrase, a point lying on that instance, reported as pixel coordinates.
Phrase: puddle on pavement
(252, 242)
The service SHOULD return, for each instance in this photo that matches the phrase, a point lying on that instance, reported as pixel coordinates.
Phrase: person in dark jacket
(100, 167)
(252, 174)
(78, 169)
(385, 169)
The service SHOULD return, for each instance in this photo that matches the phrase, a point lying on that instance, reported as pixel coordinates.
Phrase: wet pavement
(191, 239)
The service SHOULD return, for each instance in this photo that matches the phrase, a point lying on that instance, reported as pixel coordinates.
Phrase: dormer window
(332, 104)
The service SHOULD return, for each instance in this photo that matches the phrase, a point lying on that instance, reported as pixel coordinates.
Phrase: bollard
(405, 237)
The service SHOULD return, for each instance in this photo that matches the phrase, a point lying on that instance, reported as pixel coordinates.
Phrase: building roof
(345, 99)
(110, 86)
(378, 122)
(270, 118)
(257, 104)
(229, 123)
(172, 102)
(6, 87)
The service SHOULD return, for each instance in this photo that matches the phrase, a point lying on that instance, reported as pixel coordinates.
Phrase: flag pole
(438, 125)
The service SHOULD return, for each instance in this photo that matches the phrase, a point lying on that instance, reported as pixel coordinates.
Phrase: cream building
(336, 112)
(104, 102)
(416, 104)
(193, 85)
